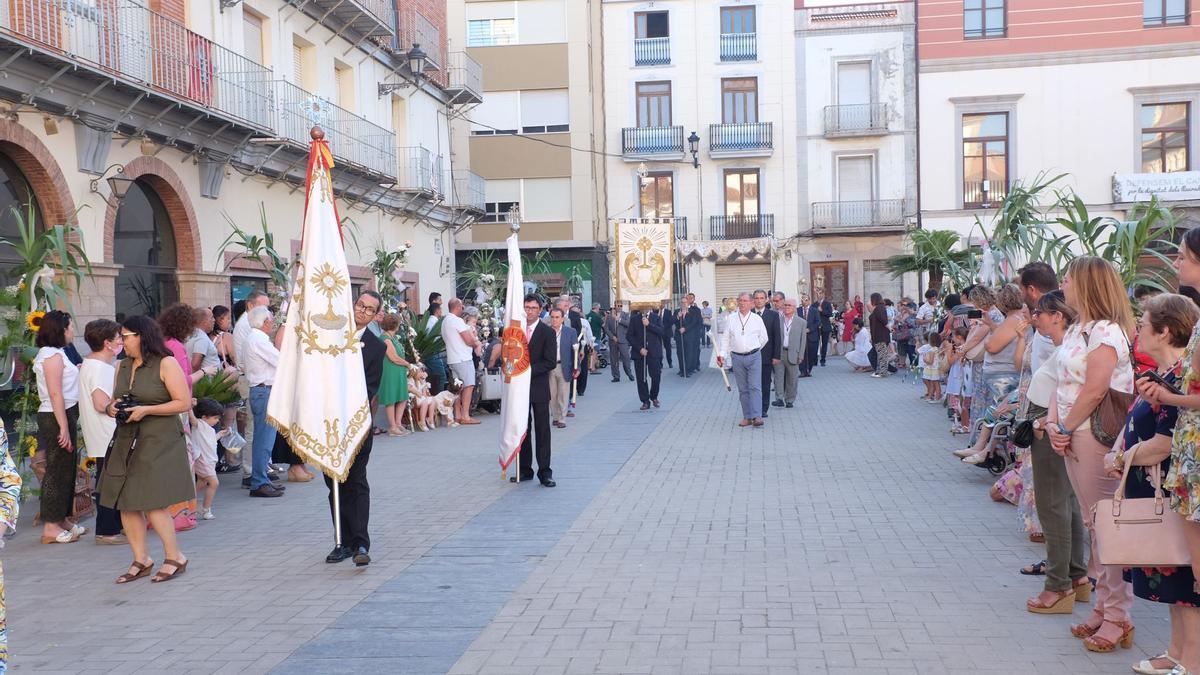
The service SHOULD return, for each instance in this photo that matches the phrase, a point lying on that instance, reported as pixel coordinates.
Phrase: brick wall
(172, 9)
(435, 12)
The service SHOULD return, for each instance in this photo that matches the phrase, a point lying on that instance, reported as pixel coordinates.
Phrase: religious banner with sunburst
(643, 261)
(319, 401)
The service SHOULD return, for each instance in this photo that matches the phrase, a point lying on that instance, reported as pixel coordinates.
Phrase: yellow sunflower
(89, 464)
(34, 320)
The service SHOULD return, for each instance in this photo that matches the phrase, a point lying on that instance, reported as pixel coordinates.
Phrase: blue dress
(1168, 585)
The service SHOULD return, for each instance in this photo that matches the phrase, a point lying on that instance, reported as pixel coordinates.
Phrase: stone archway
(34, 160)
(169, 188)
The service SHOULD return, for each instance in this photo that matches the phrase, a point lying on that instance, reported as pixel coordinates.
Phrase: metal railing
(352, 139)
(469, 190)
(652, 51)
(681, 231)
(466, 75)
(383, 10)
(983, 194)
(739, 46)
(125, 40)
(639, 141)
(751, 136)
(741, 227)
(415, 172)
(858, 118)
(858, 214)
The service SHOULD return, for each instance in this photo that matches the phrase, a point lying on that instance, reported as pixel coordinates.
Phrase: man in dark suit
(543, 358)
(770, 351)
(354, 495)
(812, 348)
(826, 324)
(646, 346)
(692, 332)
(668, 329)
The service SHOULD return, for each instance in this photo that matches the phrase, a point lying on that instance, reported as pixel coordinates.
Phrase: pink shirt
(180, 354)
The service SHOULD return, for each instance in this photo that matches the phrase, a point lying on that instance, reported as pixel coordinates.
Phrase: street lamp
(118, 183)
(417, 60)
(694, 147)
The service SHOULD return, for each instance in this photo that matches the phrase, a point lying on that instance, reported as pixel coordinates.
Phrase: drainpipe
(917, 93)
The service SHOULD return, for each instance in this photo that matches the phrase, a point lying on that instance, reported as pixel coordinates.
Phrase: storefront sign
(1139, 187)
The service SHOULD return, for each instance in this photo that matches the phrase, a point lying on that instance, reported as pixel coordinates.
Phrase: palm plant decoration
(385, 267)
(1020, 232)
(1140, 246)
(426, 343)
(933, 253)
(220, 387)
(259, 248)
(56, 248)
(482, 269)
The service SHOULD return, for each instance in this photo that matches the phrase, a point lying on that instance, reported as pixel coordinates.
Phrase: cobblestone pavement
(839, 538)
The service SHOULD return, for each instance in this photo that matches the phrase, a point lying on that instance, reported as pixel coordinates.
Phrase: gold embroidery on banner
(328, 282)
(332, 453)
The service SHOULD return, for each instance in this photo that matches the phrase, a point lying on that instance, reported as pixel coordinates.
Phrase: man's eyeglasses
(360, 307)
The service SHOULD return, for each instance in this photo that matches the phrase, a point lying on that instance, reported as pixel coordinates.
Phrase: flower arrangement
(33, 320)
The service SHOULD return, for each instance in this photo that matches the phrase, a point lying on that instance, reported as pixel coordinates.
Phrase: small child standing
(206, 415)
(931, 367)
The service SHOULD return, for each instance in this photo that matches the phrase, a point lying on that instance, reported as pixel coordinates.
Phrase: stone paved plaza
(840, 538)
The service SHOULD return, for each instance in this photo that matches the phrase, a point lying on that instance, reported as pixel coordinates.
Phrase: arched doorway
(17, 203)
(144, 245)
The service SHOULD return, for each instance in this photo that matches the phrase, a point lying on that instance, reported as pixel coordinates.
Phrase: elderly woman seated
(1004, 412)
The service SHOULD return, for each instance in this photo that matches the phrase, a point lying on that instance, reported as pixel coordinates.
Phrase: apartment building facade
(857, 145)
(1012, 89)
(156, 124)
(537, 136)
(699, 103)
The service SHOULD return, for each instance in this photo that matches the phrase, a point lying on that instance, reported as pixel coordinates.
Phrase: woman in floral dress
(10, 505)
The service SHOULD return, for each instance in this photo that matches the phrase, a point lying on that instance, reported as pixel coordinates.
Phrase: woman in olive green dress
(147, 468)
(393, 386)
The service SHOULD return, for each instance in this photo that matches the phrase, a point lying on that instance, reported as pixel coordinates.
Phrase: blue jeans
(264, 437)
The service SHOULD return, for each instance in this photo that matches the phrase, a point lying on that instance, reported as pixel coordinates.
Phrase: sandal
(143, 569)
(1065, 603)
(64, 537)
(1034, 570)
(1095, 643)
(161, 576)
(1146, 667)
(1037, 537)
(1086, 629)
(1083, 590)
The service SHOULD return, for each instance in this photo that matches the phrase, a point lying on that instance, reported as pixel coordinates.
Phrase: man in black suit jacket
(812, 349)
(354, 495)
(543, 358)
(668, 329)
(646, 347)
(771, 350)
(826, 325)
(693, 333)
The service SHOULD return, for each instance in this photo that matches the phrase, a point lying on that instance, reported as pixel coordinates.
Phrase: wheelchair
(1000, 455)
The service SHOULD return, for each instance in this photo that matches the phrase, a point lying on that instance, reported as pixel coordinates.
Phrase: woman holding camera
(148, 468)
(1094, 357)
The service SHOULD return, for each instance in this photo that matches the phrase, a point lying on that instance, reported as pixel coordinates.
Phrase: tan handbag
(1139, 532)
(1108, 419)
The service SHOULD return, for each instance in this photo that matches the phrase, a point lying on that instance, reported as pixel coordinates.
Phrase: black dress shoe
(361, 557)
(338, 554)
(645, 406)
(778, 403)
(616, 379)
(548, 482)
(764, 415)
(788, 405)
(526, 477)
(655, 402)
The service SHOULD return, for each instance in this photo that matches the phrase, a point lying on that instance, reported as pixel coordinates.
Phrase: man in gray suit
(792, 336)
(616, 324)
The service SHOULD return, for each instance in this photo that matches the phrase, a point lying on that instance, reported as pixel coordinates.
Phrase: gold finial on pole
(317, 133)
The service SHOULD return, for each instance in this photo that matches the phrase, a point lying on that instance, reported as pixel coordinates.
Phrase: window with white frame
(491, 32)
(545, 111)
(497, 212)
(499, 197)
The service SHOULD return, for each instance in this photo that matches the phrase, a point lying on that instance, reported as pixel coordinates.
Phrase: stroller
(601, 354)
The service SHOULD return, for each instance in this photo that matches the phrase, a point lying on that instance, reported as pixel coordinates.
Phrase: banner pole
(337, 515)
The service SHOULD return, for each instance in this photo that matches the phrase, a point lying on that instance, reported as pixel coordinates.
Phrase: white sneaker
(876, 375)
(207, 514)
(979, 458)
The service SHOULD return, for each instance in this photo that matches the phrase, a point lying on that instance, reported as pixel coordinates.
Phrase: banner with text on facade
(644, 257)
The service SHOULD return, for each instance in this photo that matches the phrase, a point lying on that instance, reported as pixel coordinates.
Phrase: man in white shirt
(744, 337)
(241, 331)
(461, 343)
(928, 312)
(259, 358)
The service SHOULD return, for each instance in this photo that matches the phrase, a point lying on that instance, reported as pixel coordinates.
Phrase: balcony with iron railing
(466, 80)
(681, 228)
(419, 171)
(752, 139)
(362, 18)
(469, 191)
(652, 51)
(353, 140)
(859, 119)
(870, 215)
(741, 226)
(637, 142)
(983, 194)
(739, 47)
(128, 43)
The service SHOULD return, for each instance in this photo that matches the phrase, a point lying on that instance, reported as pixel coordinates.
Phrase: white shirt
(204, 441)
(787, 328)
(261, 359)
(925, 313)
(743, 333)
(1044, 380)
(558, 346)
(95, 375)
(586, 329)
(241, 331)
(200, 343)
(70, 379)
(457, 350)
(1042, 349)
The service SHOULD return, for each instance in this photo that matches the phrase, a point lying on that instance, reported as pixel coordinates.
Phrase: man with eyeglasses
(543, 359)
(354, 495)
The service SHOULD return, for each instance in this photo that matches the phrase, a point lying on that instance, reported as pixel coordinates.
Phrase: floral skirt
(1183, 480)
(990, 389)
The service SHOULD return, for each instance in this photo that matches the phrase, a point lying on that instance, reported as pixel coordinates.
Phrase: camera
(123, 405)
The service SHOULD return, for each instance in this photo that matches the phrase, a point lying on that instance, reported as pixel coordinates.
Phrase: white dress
(862, 345)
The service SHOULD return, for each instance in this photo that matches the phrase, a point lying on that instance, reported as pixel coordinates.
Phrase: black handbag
(1022, 434)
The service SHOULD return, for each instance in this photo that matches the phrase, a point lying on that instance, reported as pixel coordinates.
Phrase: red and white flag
(319, 401)
(514, 398)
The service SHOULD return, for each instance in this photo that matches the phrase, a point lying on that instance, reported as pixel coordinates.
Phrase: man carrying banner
(543, 359)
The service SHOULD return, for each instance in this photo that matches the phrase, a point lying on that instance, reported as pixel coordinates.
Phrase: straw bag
(1139, 532)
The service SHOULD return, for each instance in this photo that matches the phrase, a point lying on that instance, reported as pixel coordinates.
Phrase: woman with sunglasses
(148, 468)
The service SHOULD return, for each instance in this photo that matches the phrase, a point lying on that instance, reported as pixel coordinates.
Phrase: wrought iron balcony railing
(124, 40)
(741, 227)
(983, 194)
(352, 139)
(366, 18)
(643, 141)
(469, 191)
(652, 51)
(739, 46)
(734, 139)
(418, 171)
(860, 119)
(858, 215)
(681, 230)
(466, 80)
